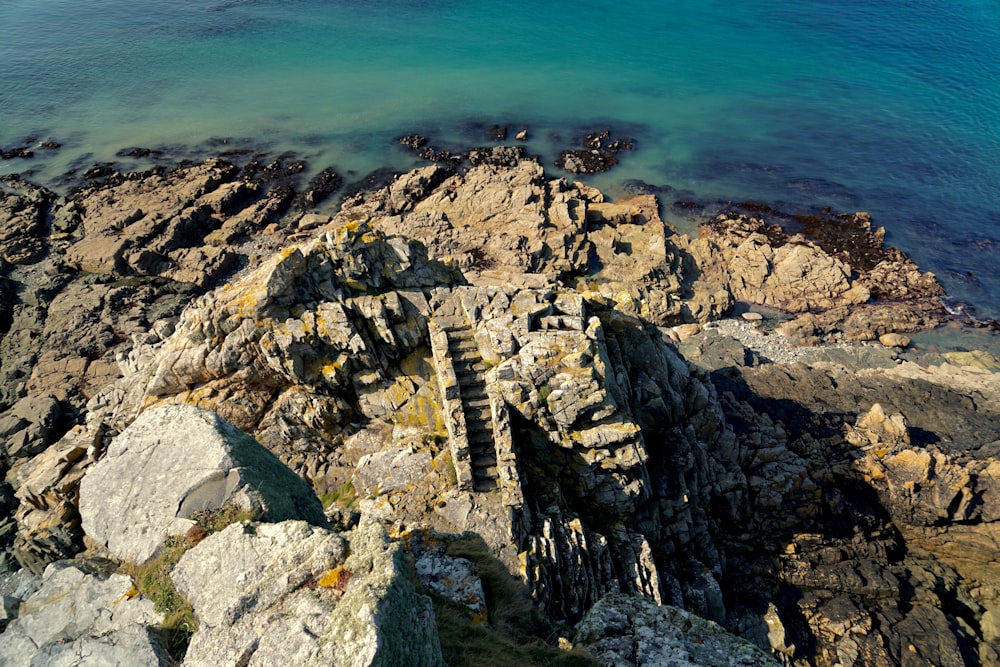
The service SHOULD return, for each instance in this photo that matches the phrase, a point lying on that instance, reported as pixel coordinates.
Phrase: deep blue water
(889, 107)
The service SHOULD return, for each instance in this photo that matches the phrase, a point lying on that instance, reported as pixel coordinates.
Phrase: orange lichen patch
(479, 618)
(130, 594)
(336, 579)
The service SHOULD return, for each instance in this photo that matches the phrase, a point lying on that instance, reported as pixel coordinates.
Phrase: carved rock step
(478, 367)
(475, 401)
(470, 373)
(483, 445)
(465, 357)
(477, 414)
(485, 485)
(463, 345)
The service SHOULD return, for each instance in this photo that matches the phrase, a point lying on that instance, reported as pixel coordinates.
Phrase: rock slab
(287, 594)
(627, 630)
(79, 617)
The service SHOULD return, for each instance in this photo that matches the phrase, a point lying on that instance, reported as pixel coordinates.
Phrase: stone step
(462, 333)
(484, 485)
(478, 415)
(451, 323)
(480, 439)
(470, 378)
(465, 367)
(465, 357)
(474, 399)
(482, 445)
(463, 344)
(483, 461)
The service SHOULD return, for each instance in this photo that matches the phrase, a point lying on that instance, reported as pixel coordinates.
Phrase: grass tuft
(346, 497)
(152, 581)
(514, 634)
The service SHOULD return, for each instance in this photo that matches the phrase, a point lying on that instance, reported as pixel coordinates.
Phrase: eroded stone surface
(621, 630)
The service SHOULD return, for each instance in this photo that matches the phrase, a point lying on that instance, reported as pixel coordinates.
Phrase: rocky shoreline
(477, 347)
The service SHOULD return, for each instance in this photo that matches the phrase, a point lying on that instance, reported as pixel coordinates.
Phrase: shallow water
(892, 108)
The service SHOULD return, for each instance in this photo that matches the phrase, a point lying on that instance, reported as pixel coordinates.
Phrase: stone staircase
(470, 370)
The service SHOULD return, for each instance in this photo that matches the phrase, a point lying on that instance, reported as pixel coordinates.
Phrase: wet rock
(195, 462)
(23, 152)
(140, 152)
(320, 187)
(413, 141)
(585, 161)
(497, 132)
(501, 156)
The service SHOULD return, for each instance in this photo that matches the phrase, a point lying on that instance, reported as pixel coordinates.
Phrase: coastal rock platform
(488, 352)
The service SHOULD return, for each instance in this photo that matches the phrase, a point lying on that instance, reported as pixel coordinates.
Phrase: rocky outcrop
(635, 631)
(181, 461)
(509, 226)
(875, 548)
(83, 616)
(487, 351)
(835, 274)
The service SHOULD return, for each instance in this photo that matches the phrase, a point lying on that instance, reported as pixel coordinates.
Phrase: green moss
(543, 393)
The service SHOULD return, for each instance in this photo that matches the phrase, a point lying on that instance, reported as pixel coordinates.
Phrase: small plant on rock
(152, 581)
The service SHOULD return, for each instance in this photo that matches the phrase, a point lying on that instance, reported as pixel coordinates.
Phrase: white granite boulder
(288, 594)
(174, 461)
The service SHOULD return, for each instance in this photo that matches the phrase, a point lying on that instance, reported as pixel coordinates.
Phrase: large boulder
(81, 616)
(283, 594)
(173, 462)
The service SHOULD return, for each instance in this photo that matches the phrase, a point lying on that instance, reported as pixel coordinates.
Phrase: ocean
(892, 108)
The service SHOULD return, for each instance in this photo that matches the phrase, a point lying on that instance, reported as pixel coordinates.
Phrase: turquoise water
(893, 108)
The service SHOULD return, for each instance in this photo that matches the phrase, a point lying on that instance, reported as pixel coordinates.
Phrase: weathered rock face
(509, 226)
(635, 631)
(838, 276)
(81, 616)
(874, 532)
(181, 460)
